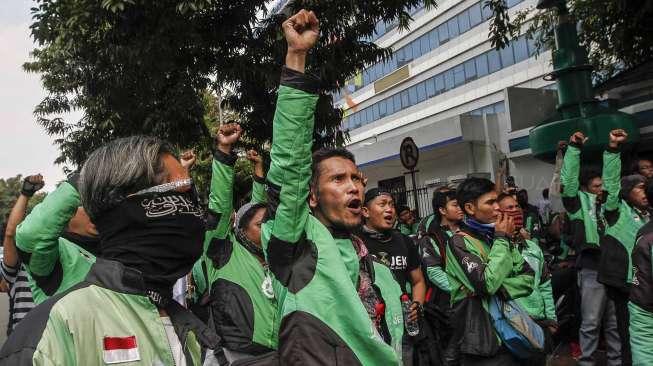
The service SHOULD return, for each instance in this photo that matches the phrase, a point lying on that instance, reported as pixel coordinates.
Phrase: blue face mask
(487, 230)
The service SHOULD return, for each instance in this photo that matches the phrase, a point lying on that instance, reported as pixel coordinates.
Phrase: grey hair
(119, 168)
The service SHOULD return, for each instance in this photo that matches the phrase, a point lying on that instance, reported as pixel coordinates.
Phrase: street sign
(409, 153)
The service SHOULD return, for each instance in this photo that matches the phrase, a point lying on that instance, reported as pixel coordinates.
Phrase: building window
(470, 70)
(448, 79)
(443, 33)
(481, 65)
(434, 42)
(453, 27)
(475, 15)
(463, 21)
(459, 75)
(405, 102)
(486, 12)
(439, 84)
(507, 58)
(430, 87)
(521, 49)
(421, 92)
(493, 60)
(412, 95)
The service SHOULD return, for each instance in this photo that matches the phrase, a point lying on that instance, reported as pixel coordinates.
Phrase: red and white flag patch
(120, 349)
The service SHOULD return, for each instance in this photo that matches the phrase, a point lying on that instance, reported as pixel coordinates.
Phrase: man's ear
(442, 211)
(469, 209)
(312, 199)
(366, 212)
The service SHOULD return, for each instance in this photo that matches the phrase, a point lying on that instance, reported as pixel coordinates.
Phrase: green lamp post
(577, 108)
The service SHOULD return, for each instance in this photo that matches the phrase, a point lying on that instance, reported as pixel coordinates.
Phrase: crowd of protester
(121, 263)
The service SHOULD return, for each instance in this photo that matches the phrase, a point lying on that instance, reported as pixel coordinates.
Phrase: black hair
(471, 189)
(649, 192)
(324, 154)
(503, 195)
(635, 165)
(440, 200)
(587, 175)
(249, 214)
(545, 193)
(402, 208)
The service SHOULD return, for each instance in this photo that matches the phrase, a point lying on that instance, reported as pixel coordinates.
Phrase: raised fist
(188, 159)
(578, 138)
(31, 184)
(228, 134)
(301, 31)
(617, 137)
(254, 157)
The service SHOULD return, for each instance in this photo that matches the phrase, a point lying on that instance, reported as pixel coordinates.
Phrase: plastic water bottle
(412, 327)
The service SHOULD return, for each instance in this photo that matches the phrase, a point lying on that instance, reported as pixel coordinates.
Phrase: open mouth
(354, 206)
(388, 218)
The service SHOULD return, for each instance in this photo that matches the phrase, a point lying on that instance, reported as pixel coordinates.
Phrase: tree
(9, 191)
(142, 66)
(617, 34)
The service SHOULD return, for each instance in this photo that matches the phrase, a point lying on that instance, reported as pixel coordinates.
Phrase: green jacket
(53, 263)
(321, 319)
(474, 267)
(433, 261)
(407, 229)
(640, 305)
(73, 328)
(539, 304)
(584, 213)
(243, 316)
(622, 224)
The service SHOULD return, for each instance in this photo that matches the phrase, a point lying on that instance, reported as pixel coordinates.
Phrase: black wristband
(28, 189)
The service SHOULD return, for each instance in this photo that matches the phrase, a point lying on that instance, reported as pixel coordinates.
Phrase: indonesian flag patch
(120, 349)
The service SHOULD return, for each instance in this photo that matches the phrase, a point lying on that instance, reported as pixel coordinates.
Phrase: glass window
(401, 57)
(452, 24)
(532, 47)
(499, 107)
(408, 50)
(512, 3)
(383, 108)
(416, 50)
(396, 102)
(412, 95)
(439, 83)
(434, 42)
(405, 103)
(459, 75)
(448, 80)
(443, 33)
(463, 21)
(481, 65)
(507, 58)
(493, 60)
(470, 70)
(390, 107)
(475, 15)
(368, 115)
(521, 49)
(488, 110)
(421, 92)
(375, 111)
(424, 44)
(486, 12)
(430, 87)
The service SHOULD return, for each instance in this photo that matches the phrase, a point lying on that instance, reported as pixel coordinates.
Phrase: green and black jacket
(243, 316)
(54, 263)
(622, 224)
(432, 247)
(640, 305)
(70, 328)
(322, 320)
(583, 210)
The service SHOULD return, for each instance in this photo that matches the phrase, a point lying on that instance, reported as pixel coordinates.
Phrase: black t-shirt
(399, 253)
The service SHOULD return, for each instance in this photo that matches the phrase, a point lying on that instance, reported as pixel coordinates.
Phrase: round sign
(409, 153)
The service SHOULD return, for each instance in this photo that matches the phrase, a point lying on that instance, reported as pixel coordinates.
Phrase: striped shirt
(20, 293)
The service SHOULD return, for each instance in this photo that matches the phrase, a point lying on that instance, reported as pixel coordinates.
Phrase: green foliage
(9, 191)
(617, 34)
(143, 66)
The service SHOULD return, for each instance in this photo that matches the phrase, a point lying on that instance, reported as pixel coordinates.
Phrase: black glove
(28, 189)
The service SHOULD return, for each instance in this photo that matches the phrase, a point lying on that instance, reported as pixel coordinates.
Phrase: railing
(406, 197)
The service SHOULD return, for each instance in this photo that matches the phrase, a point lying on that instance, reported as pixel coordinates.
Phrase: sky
(25, 148)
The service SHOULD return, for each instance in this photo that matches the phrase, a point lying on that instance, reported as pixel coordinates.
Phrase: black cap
(375, 192)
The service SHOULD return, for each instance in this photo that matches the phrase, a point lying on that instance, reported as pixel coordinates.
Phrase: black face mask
(159, 234)
(90, 243)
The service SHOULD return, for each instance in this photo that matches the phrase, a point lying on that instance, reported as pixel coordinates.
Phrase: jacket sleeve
(37, 237)
(485, 277)
(520, 281)
(290, 168)
(570, 180)
(612, 184)
(258, 190)
(432, 263)
(554, 187)
(220, 197)
(547, 295)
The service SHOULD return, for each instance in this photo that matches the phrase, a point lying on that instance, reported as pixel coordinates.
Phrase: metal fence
(406, 197)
